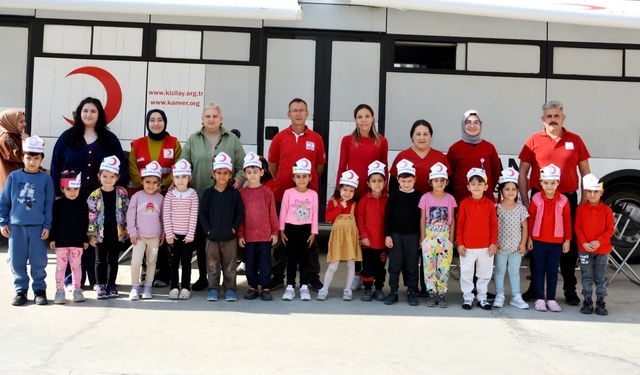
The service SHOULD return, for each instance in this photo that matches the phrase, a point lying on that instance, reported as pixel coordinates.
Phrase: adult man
(293, 143)
(556, 145)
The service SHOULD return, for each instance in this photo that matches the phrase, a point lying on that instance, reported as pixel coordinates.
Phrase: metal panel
(178, 44)
(587, 61)
(510, 58)
(221, 45)
(117, 41)
(592, 34)
(13, 66)
(67, 39)
(632, 63)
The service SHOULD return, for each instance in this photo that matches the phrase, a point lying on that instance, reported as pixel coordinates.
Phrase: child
(144, 224)
(221, 213)
(343, 241)
(69, 234)
(401, 228)
(549, 235)
(180, 218)
(259, 229)
(437, 226)
(370, 219)
(298, 228)
(594, 228)
(25, 219)
(107, 226)
(476, 238)
(512, 239)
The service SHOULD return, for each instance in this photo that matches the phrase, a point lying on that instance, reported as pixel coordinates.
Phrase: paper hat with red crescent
(405, 166)
(477, 172)
(302, 166)
(33, 144)
(222, 161)
(71, 179)
(152, 169)
(591, 182)
(438, 170)
(110, 164)
(550, 173)
(252, 160)
(181, 168)
(376, 167)
(508, 175)
(350, 178)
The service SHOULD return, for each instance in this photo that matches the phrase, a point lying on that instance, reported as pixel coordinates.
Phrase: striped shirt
(180, 214)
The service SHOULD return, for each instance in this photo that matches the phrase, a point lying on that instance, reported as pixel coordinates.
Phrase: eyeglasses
(472, 122)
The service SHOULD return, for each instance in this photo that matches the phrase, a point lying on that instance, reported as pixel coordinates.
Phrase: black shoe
(277, 283)
(572, 299)
(315, 285)
(20, 298)
(391, 298)
(529, 295)
(423, 294)
(467, 305)
(378, 295)
(491, 297)
(587, 306)
(41, 297)
(485, 305)
(251, 294)
(412, 298)
(601, 308)
(266, 295)
(200, 284)
(367, 295)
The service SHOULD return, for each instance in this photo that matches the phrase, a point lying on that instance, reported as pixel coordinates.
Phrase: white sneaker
(185, 294)
(289, 293)
(517, 301)
(174, 293)
(356, 284)
(241, 267)
(304, 294)
(134, 295)
(147, 293)
(347, 295)
(499, 300)
(322, 295)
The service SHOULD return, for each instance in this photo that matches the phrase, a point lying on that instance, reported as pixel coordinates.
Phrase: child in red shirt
(549, 236)
(594, 228)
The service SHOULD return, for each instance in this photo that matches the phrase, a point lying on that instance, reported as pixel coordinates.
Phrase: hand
(85, 246)
(493, 249)
(237, 184)
(595, 244)
(5, 231)
(93, 241)
(529, 244)
(233, 230)
(310, 239)
(522, 249)
(188, 240)
(462, 251)
(388, 242)
(587, 247)
(161, 240)
(343, 203)
(170, 241)
(274, 239)
(365, 242)
(134, 240)
(52, 245)
(45, 234)
(241, 242)
(283, 237)
(565, 246)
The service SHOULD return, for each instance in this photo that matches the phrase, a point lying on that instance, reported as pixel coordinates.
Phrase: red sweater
(370, 219)
(358, 156)
(422, 166)
(334, 208)
(548, 220)
(260, 218)
(594, 223)
(463, 156)
(477, 223)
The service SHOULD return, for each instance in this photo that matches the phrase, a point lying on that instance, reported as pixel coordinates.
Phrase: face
(222, 176)
(347, 192)
(472, 126)
(477, 188)
(376, 183)
(156, 123)
(150, 184)
(89, 115)
(22, 123)
(181, 182)
(438, 184)
(32, 162)
(406, 183)
(71, 193)
(298, 113)
(510, 191)
(107, 179)
(212, 120)
(421, 138)
(364, 122)
(301, 179)
(549, 187)
(553, 120)
(593, 196)
(253, 174)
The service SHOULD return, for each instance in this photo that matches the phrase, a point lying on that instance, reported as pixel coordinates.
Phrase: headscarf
(9, 121)
(466, 137)
(160, 136)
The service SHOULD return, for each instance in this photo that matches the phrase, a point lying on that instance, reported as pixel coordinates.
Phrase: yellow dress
(344, 241)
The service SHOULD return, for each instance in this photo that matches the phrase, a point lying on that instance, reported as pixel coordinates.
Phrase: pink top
(437, 210)
(144, 215)
(299, 209)
(180, 213)
(260, 218)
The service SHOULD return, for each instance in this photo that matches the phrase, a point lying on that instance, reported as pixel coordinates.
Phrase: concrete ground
(161, 336)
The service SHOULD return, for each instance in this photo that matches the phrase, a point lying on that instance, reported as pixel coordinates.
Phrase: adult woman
(362, 147)
(421, 155)
(12, 124)
(200, 149)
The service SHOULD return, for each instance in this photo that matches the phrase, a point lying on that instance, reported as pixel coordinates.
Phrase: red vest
(167, 156)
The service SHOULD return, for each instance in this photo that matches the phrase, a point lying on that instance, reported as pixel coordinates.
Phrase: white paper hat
(549, 173)
(350, 178)
(110, 164)
(181, 168)
(222, 160)
(33, 144)
(376, 167)
(405, 166)
(591, 182)
(438, 170)
(508, 175)
(477, 172)
(71, 182)
(302, 166)
(252, 160)
(152, 169)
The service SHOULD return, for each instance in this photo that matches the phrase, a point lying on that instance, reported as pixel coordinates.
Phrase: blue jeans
(504, 263)
(594, 268)
(547, 258)
(257, 257)
(25, 245)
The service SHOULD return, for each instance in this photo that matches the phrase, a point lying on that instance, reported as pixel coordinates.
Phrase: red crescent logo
(440, 167)
(114, 161)
(402, 164)
(350, 175)
(305, 164)
(223, 157)
(154, 166)
(183, 164)
(111, 86)
(511, 172)
(584, 6)
(552, 169)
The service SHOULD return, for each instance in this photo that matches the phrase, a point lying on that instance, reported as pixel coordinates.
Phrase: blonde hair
(212, 105)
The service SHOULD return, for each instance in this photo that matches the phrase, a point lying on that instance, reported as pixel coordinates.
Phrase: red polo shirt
(287, 148)
(541, 150)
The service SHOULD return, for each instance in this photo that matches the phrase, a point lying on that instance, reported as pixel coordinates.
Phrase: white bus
(407, 64)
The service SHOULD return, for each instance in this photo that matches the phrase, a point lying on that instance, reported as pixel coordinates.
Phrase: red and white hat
(350, 178)
(302, 166)
(376, 167)
(477, 172)
(110, 164)
(550, 173)
(33, 144)
(181, 168)
(591, 182)
(438, 170)
(405, 166)
(222, 161)
(152, 169)
(71, 180)
(252, 160)
(508, 175)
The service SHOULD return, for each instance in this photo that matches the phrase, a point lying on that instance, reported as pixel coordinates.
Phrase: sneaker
(316, 285)
(553, 306)
(423, 293)
(540, 305)
(212, 296)
(134, 294)
(347, 295)
(59, 298)
(490, 297)
(112, 291)
(601, 308)
(160, 283)
(289, 293)
(467, 304)
(230, 295)
(432, 300)
(412, 298)
(378, 295)
(184, 294)
(251, 294)
(356, 284)
(529, 295)
(147, 292)
(78, 296)
(391, 298)
(41, 297)
(517, 301)
(174, 293)
(499, 300)
(484, 304)
(587, 306)
(20, 298)
(266, 295)
(572, 299)
(304, 293)
(322, 295)
(276, 283)
(442, 302)
(200, 284)
(241, 269)
(102, 292)
(367, 295)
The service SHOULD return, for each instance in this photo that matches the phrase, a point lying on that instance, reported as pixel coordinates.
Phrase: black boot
(587, 306)
(601, 308)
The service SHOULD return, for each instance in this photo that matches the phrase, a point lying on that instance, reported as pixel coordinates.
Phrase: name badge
(568, 145)
(311, 146)
(168, 153)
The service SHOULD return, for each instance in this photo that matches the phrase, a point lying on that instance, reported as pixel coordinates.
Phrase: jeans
(222, 256)
(594, 268)
(25, 245)
(547, 258)
(257, 257)
(504, 263)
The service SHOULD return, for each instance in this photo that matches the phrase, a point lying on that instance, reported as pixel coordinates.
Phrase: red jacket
(594, 223)
(370, 219)
(477, 223)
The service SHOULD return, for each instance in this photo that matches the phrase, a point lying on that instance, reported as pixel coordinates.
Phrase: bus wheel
(624, 200)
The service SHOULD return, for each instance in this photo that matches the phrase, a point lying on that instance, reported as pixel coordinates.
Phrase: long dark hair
(336, 193)
(418, 123)
(77, 131)
(373, 134)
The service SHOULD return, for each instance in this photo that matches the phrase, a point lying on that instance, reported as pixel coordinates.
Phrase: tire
(624, 199)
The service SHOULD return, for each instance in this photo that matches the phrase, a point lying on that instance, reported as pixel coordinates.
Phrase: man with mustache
(555, 145)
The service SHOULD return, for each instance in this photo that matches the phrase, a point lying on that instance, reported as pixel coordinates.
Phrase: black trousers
(180, 253)
(297, 252)
(373, 263)
(108, 252)
(200, 243)
(403, 257)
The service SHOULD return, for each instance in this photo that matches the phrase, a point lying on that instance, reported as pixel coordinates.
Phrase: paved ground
(332, 337)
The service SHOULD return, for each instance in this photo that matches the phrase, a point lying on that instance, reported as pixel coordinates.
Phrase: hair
(373, 134)
(34, 153)
(336, 192)
(77, 131)
(418, 123)
(477, 178)
(501, 186)
(298, 100)
(405, 175)
(104, 170)
(159, 178)
(253, 166)
(212, 105)
(379, 174)
(553, 104)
